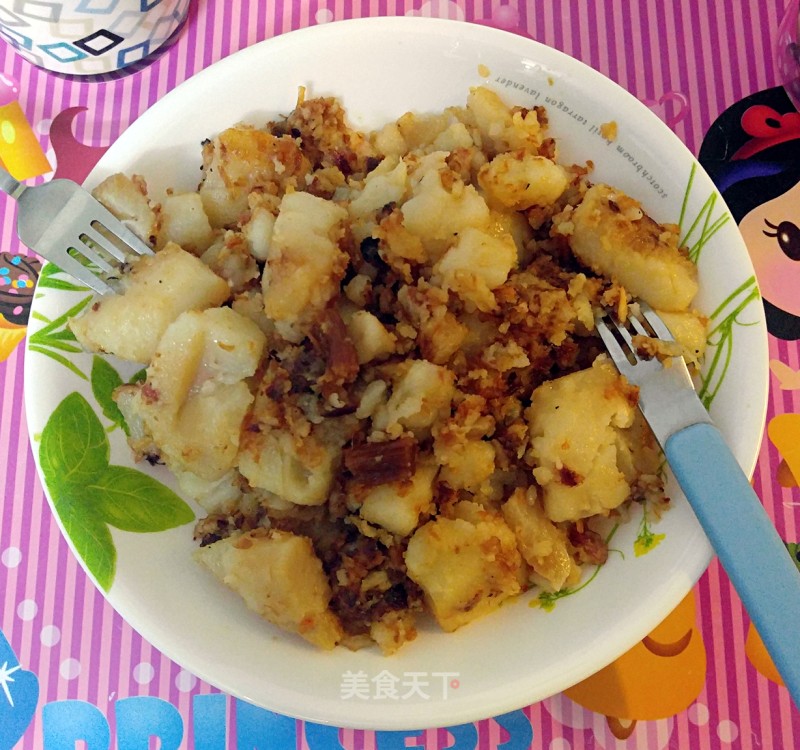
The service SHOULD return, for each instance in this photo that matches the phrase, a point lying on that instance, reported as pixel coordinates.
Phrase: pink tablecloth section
(689, 60)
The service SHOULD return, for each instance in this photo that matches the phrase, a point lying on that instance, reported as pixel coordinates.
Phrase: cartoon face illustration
(772, 234)
(752, 152)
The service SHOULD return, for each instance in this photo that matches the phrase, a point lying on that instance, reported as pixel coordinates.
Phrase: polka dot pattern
(143, 673)
(27, 609)
(50, 635)
(11, 557)
(69, 669)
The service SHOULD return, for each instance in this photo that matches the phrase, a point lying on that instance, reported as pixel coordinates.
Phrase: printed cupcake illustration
(18, 275)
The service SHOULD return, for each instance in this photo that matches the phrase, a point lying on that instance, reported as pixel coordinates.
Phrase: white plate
(381, 68)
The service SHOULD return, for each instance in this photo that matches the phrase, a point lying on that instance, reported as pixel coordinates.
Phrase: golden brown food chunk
(184, 222)
(576, 424)
(504, 128)
(466, 566)
(369, 336)
(441, 205)
(126, 198)
(194, 399)
(229, 257)
(257, 230)
(396, 506)
(519, 180)
(304, 262)
(282, 452)
(477, 264)
(615, 238)
(467, 464)
(421, 393)
(543, 545)
(297, 471)
(242, 159)
(279, 577)
(384, 185)
(154, 293)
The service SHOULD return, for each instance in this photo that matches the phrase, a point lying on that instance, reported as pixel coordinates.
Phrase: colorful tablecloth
(71, 670)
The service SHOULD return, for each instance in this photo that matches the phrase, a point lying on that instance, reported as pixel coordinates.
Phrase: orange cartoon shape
(783, 431)
(20, 151)
(659, 677)
(754, 647)
(788, 378)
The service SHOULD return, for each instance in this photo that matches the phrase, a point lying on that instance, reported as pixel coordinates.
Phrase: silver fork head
(619, 337)
(667, 396)
(84, 274)
(87, 230)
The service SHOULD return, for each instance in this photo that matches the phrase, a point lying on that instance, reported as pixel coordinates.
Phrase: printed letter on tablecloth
(259, 729)
(142, 717)
(66, 723)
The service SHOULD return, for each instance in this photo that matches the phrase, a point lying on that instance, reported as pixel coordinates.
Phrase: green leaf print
(88, 533)
(105, 379)
(133, 501)
(89, 493)
(55, 340)
(49, 280)
(722, 325)
(705, 224)
(695, 234)
(546, 600)
(74, 449)
(646, 540)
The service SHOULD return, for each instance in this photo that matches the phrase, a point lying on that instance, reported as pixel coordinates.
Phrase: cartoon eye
(788, 236)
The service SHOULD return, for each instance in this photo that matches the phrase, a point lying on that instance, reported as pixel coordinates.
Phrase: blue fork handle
(748, 546)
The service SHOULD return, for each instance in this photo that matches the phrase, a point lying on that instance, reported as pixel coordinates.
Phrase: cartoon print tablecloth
(72, 671)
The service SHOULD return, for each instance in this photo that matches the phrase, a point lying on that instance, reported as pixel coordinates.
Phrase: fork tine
(613, 326)
(77, 270)
(636, 324)
(106, 243)
(655, 321)
(115, 228)
(608, 329)
(89, 252)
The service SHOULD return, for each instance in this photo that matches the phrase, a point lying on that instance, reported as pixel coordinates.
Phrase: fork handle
(748, 546)
(11, 186)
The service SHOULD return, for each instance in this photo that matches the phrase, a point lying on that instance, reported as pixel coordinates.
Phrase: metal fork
(63, 223)
(731, 514)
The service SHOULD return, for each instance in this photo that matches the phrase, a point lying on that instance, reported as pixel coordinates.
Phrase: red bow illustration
(768, 128)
